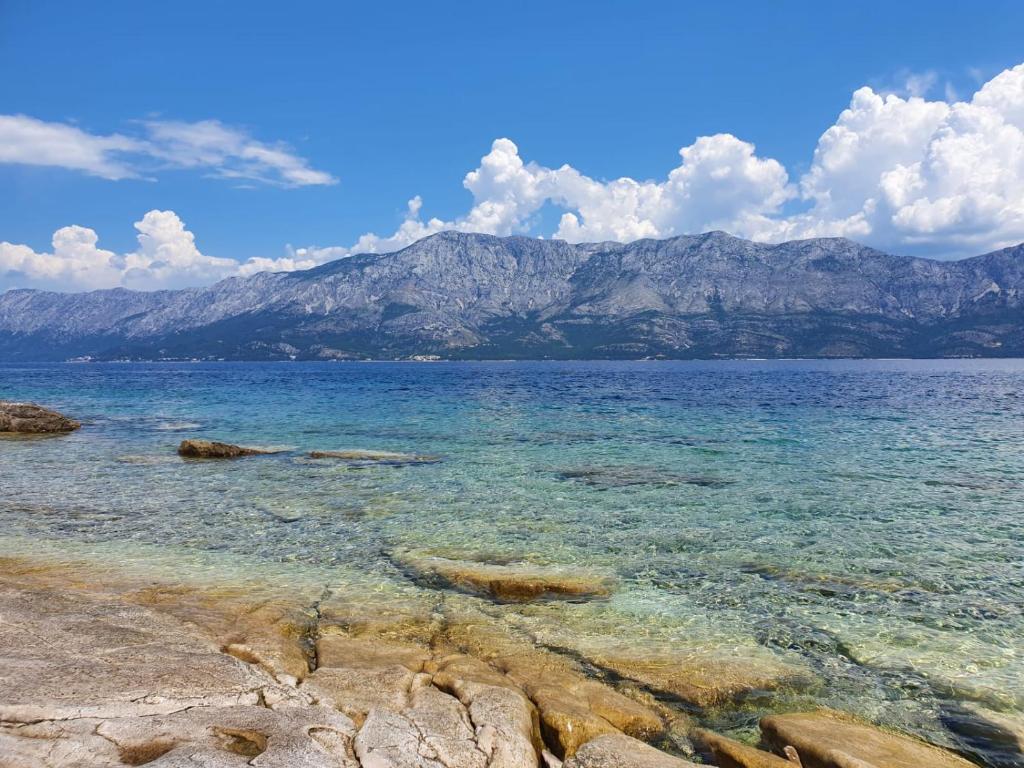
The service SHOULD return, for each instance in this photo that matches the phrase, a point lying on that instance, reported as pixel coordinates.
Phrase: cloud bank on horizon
(943, 178)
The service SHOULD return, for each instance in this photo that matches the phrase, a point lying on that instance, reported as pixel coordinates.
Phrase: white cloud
(29, 141)
(167, 257)
(230, 153)
(902, 173)
(207, 145)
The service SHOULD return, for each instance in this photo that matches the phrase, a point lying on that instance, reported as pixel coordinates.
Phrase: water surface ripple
(864, 520)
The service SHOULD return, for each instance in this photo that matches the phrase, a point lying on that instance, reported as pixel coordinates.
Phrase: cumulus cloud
(901, 172)
(166, 257)
(207, 145)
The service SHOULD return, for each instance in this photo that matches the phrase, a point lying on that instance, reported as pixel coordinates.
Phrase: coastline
(109, 666)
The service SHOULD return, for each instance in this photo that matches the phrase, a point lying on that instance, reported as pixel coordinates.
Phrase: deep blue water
(862, 520)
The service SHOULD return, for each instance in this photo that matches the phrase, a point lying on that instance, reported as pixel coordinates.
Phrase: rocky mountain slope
(458, 295)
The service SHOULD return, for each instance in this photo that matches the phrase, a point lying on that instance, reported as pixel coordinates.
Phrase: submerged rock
(703, 679)
(831, 740)
(607, 477)
(507, 583)
(211, 449)
(375, 457)
(29, 418)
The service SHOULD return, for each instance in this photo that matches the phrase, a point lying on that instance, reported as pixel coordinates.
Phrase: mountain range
(471, 296)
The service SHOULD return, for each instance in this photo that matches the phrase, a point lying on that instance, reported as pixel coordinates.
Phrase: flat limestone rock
(376, 457)
(729, 753)
(258, 628)
(829, 740)
(511, 583)
(435, 732)
(620, 751)
(80, 655)
(357, 691)
(29, 418)
(209, 737)
(211, 449)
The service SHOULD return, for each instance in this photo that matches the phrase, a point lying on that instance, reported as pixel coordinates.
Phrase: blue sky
(373, 104)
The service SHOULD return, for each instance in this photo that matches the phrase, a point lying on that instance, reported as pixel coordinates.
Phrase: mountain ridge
(463, 295)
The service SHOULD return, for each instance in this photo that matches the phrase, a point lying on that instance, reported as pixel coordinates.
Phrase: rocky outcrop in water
(29, 418)
(211, 449)
(468, 296)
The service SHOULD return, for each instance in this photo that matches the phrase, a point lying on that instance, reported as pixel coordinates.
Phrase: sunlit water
(863, 520)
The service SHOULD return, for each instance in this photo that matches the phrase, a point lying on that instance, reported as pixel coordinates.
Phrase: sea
(860, 520)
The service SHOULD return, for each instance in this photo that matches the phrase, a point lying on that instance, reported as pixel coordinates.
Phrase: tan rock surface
(620, 751)
(104, 670)
(829, 740)
(729, 753)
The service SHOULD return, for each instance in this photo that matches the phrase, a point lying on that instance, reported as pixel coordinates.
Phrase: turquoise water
(862, 521)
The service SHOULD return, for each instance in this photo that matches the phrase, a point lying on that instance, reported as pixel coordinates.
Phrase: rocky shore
(110, 669)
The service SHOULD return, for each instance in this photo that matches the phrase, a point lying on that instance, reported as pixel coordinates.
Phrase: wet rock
(620, 751)
(704, 679)
(29, 418)
(574, 708)
(375, 457)
(729, 753)
(211, 449)
(830, 740)
(996, 737)
(507, 583)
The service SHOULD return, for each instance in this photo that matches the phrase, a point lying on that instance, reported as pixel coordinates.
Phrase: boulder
(505, 583)
(617, 750)
(375, 457)
(29, 418)
(831, 740)
(211, 449)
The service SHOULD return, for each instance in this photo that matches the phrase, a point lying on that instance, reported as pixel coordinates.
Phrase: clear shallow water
(861, 520)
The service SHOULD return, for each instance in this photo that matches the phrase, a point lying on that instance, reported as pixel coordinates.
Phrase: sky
(174, 144)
